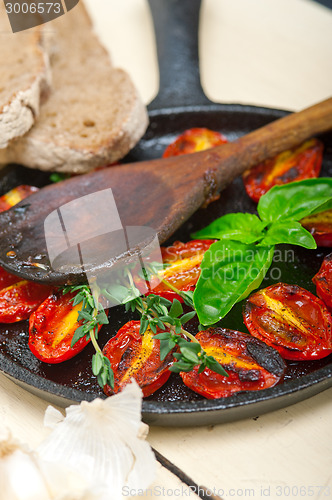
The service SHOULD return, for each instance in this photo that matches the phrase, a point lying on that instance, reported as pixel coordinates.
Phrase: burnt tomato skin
(51, 329)
(194, 140)
(290, 319)
(137, 356)
(251, 364)
(323, 281)
(302, 162)
(183, 270)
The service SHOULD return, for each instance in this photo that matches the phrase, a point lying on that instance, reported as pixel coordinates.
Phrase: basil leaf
(246, 228)
(294, 200)
(230, 270)
(322, 208)
(288, 231)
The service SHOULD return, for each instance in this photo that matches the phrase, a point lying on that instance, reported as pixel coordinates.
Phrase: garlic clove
(103, 441)
(23, 476)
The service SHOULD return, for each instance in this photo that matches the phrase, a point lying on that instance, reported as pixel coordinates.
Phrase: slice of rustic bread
(24, 77)
(93, 115)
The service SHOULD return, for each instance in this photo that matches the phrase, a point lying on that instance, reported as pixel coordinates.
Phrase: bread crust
(21, 92)
(93, 115)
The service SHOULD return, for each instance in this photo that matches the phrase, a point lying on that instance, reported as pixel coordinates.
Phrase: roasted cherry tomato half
(7, 279)
(136, 356)
(320, 226)
(183, 267)
(51, 329)
(303, 162)
(251, 364)
(323, 281)
(193, 140)
(7, 201)
(19, 300)
(16, 195)
(290, 319)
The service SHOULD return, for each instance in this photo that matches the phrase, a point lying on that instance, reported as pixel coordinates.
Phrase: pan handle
(176, 29)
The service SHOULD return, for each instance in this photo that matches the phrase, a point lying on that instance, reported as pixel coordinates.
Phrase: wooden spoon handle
(272, 139)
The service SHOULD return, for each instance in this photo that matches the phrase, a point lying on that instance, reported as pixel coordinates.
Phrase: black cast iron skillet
(180, 104)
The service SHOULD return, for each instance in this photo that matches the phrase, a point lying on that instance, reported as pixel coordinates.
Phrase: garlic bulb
(103, 441)
(23, 476)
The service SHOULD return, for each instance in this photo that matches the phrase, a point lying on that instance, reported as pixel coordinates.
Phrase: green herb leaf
(97, 363)
(288, 231)
(162, 336)
(58, 177)
(246, 228)
(295, 200)
(79, 333)
(102, 318)
(187, 317)
(153, 327)
(229, 272)
(201, 368)
(116, 293)
(189, 354)
(322, 208)
(110, 373)
(176, 309)
(85, 315)
(143, 326)
(78, 299)
(165, 348)
(215, 366)
(188, 298)
(181, 366)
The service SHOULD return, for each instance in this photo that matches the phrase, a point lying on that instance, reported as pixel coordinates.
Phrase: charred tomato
(19, 300)
(7, 279)
(251, 364)
(290, 319)
(320, 226)
(182, 268)
(137, 356)
(193, 140)
(52, 327)
(16, 195)
(323, 281)
(303, 162)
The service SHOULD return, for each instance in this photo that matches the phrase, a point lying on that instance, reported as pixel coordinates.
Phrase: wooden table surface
(274, 53)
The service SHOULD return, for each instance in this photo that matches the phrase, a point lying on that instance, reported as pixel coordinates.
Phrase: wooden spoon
(161, 194)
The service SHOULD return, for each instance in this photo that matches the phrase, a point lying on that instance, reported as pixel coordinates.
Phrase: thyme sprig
(156, 313)
(169, 316)
(93, 316)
